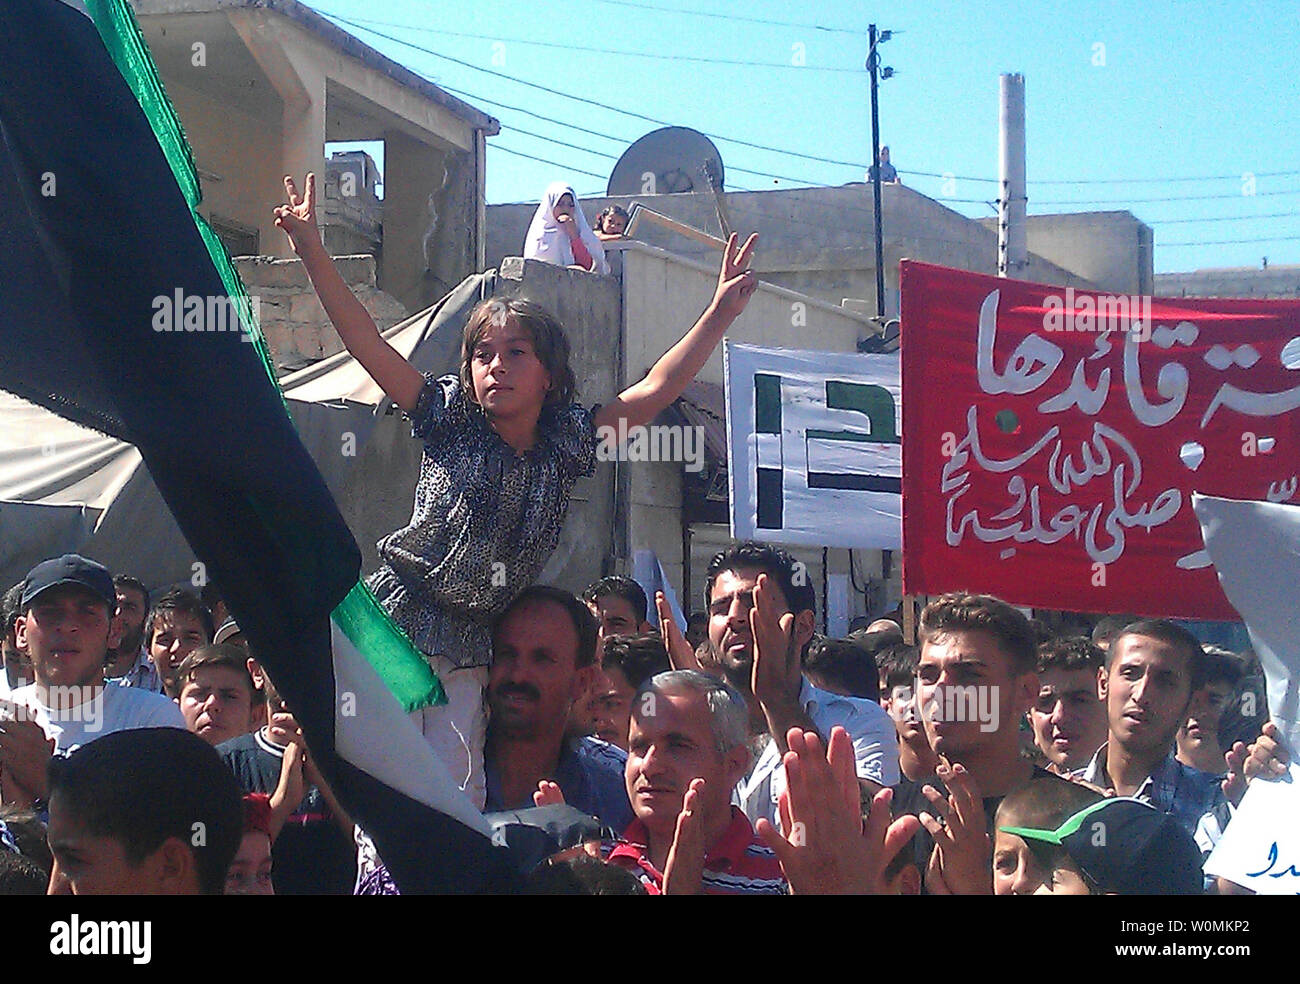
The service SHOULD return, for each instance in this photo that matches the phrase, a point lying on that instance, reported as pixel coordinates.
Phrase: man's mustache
(518, 690)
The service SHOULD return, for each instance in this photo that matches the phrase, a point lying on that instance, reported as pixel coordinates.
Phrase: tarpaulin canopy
(66, 488)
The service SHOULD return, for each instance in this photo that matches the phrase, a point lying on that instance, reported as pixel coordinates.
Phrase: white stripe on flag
(370, 727)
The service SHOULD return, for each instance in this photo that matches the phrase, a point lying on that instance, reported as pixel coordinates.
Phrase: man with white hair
(687, 749)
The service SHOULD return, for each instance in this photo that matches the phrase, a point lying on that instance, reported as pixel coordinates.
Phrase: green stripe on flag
(393, 656)
(375, 635)
(767, 403)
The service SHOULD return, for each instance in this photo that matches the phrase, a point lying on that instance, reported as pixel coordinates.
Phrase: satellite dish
(666, 162)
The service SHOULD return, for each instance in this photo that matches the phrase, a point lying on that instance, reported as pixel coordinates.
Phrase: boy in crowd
(629, 662)
(313, 852)
(178, 624)
(217, 693)
(1152, 670)
(1118, 846)
(1068, 718)
(897, 665)
(121, 825)
(1018, 870)
(1198, 738)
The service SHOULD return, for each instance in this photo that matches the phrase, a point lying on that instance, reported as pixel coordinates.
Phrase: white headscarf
(546, 241)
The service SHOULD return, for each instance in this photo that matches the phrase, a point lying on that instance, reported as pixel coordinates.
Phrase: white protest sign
(814, 447)
(1260, 850)
(1255, 548)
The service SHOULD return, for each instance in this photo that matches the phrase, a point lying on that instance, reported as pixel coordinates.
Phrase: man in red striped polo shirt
(688, 747)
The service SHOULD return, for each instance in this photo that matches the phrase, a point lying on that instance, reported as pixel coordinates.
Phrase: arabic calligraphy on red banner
(1052, 438)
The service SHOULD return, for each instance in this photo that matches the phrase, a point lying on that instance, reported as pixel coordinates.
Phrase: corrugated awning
(704, 405)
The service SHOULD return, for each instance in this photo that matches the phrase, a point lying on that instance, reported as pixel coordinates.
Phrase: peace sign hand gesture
(736, 282)
(298, 218)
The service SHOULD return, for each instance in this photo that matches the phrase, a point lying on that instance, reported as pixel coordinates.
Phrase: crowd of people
(764, 759)
(614, 750)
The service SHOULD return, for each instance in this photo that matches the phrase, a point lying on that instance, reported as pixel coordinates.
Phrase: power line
(857, 165)
(543, 160)
(1176, 198)
(699, 59)
(1229, 218)
(734, 17)
(1236, 242)
(590, 102)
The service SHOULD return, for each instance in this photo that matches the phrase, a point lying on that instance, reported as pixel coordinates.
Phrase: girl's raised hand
(298, 218)
(736, 282)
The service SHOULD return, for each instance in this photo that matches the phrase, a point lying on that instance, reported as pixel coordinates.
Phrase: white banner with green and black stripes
(814, 447)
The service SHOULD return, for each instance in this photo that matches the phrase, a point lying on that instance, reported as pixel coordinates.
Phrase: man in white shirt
(779, 696)
(67, 626)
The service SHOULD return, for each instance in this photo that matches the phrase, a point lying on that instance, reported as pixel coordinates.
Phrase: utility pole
(1013, 251)
(873, 63)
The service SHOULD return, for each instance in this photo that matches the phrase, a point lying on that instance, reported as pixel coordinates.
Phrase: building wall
(1276, 281)
(292, 318)
(275, 86)
(819, 241)
(1111, 249)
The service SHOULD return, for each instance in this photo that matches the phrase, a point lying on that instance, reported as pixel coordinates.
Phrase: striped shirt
(737, 863)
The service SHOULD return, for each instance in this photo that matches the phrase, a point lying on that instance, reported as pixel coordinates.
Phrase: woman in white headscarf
(559, 233)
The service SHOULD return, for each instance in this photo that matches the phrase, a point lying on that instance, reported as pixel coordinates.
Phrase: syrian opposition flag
(98, 234)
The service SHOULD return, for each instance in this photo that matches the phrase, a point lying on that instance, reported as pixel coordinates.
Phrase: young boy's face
(217, 703)
(1018, 871)
(86, 864)
(176, 634)
(250, 872)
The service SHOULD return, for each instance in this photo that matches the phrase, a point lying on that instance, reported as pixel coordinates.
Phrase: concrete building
(1269, 281)
(260, 87)
(819, 241)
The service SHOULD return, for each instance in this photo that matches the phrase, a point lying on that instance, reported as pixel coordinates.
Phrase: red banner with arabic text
(1052, 438)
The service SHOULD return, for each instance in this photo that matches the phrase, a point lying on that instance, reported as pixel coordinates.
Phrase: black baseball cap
(1127, 847)
(70, 569)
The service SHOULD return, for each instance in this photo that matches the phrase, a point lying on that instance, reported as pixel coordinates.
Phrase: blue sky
(1183, 113)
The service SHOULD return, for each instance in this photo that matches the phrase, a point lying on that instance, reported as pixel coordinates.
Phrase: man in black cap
(67, 625)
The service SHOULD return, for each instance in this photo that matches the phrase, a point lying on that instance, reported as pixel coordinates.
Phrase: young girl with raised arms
(504, 443)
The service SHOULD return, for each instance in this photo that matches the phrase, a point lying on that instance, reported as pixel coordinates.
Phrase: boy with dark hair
(178, 624)
(842, 666)
(1198, 739)
(619, 604)
(123, 824)
(628, 662)
(217, 693)
(897, 665)
(1152, 671)
(1068, 719)
(313, 851)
